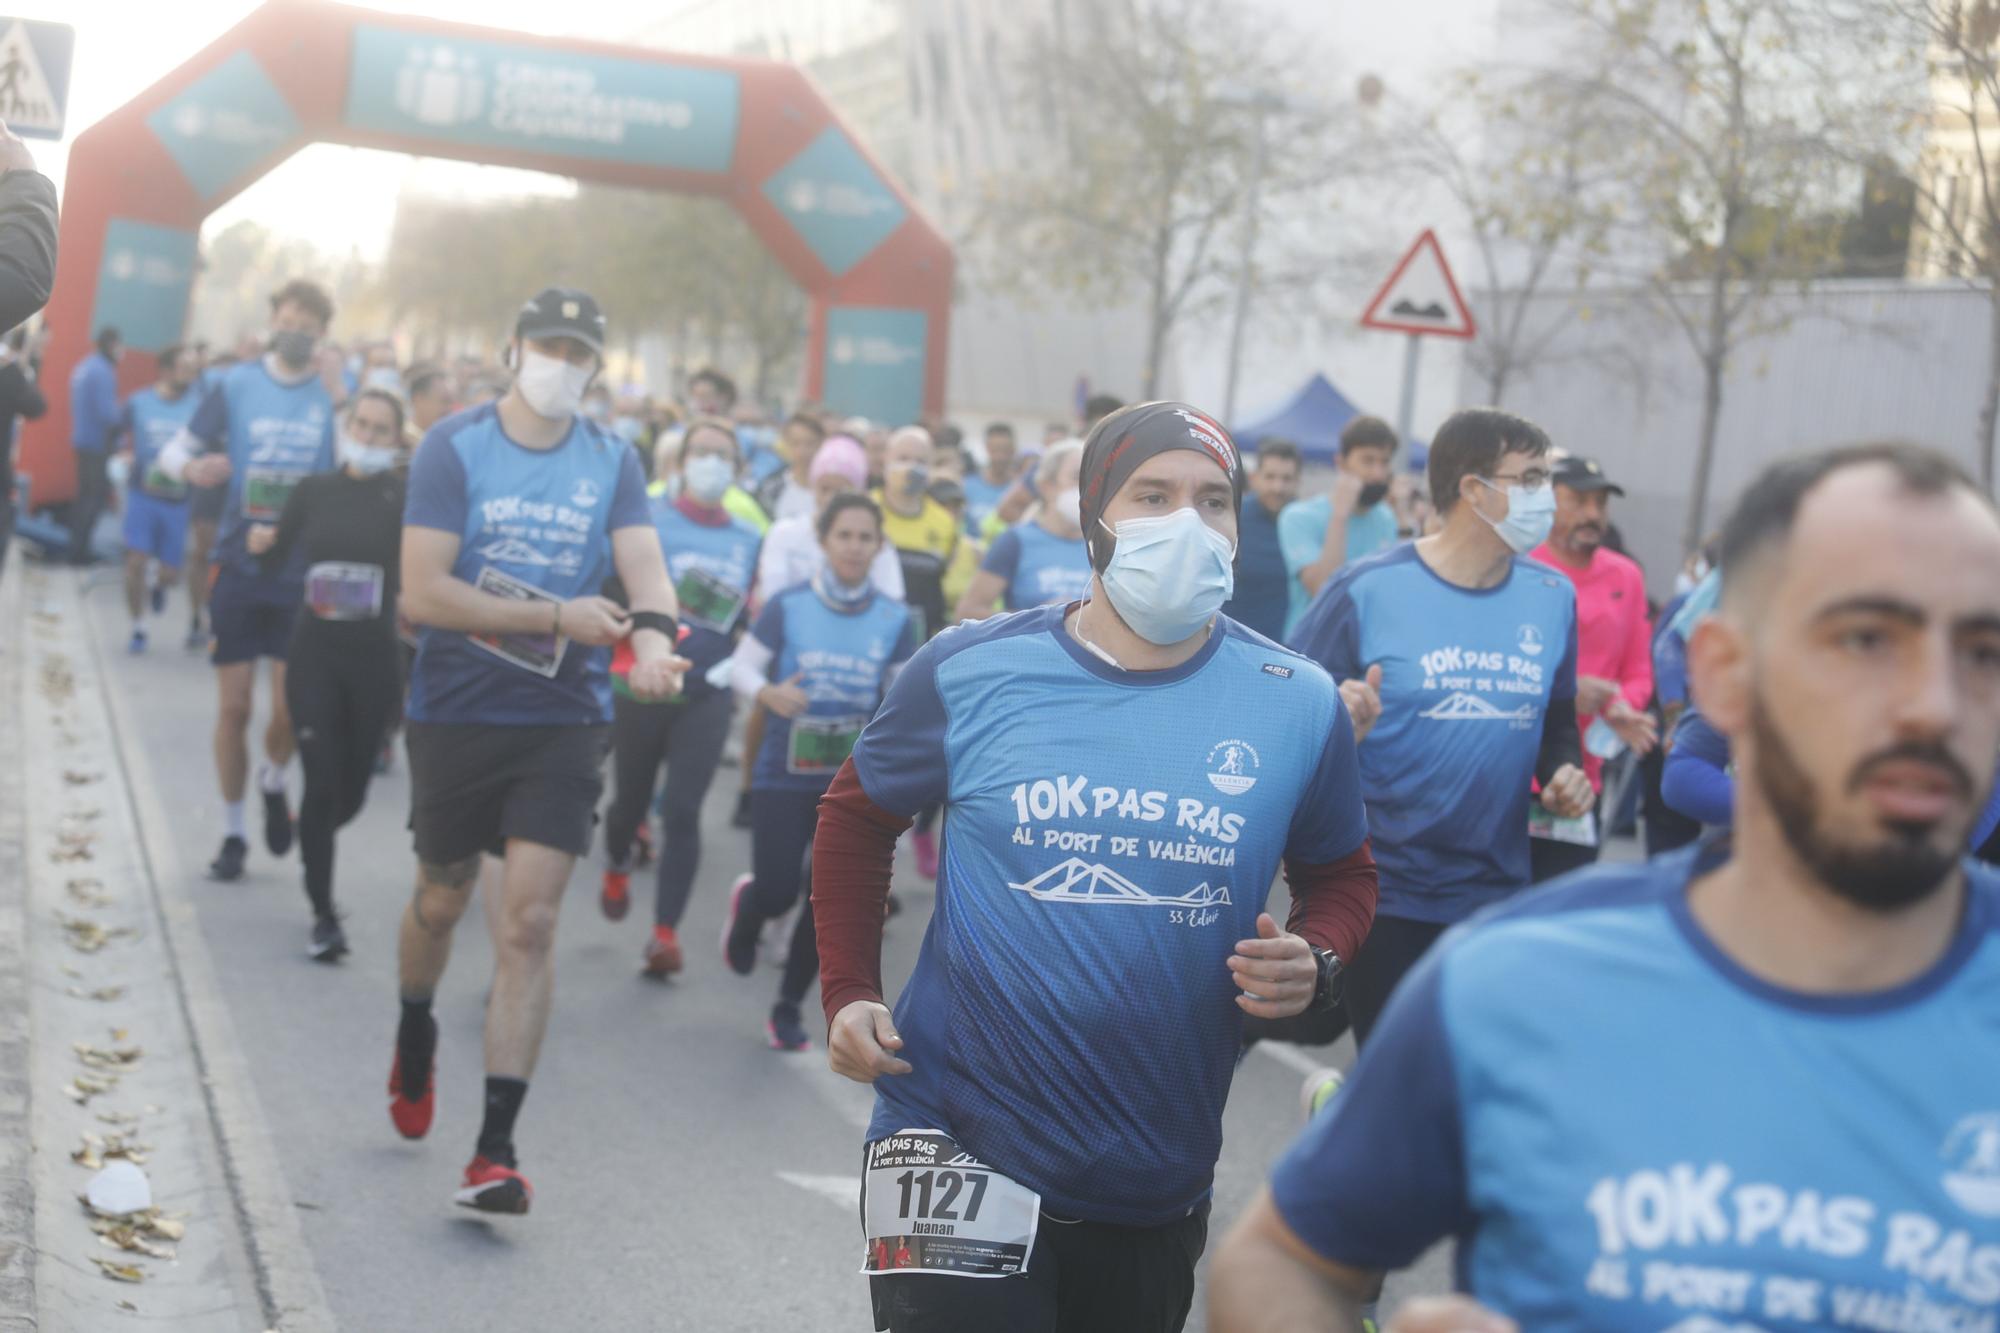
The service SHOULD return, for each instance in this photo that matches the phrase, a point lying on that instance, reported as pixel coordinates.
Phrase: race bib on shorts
(265, 490)
(161, 486)
(820, 745)
(927, 1206)
(539, 653)
(336, 590)
(708, 602)
(1578, 832)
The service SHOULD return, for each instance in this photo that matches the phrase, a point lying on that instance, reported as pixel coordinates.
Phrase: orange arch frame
(755, 133)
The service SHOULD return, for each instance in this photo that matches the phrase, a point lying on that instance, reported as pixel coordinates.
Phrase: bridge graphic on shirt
(1079, 881)
(513, 551)
(1472, 708)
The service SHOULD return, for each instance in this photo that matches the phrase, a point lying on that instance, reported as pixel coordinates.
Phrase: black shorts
(1083, 1277)
(473, 786)
(248, 623)
(205, 503)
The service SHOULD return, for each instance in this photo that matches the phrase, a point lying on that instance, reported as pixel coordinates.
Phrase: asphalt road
(686, 1176)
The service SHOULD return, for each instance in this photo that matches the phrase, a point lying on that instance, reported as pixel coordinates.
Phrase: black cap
(1584, 474)
(1127, 437)
(562, 312)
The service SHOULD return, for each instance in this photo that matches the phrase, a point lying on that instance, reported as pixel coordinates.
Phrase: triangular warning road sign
(1421, 297)
(29, 102)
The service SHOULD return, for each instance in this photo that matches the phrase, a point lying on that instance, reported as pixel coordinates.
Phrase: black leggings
(1393, 947)
(688, 736)
(344, 693)
(781, 834)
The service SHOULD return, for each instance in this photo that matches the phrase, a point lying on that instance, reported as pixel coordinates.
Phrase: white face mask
(552, 387)
(383, 377)
(708, 478)
(1068, 505)
(367, 459)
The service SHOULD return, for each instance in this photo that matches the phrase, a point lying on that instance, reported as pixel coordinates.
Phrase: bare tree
(1155, 111)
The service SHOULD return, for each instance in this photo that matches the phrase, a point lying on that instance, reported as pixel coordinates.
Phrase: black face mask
(1371, 494)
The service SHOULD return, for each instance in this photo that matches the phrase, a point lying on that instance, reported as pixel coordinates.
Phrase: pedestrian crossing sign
(34, 76)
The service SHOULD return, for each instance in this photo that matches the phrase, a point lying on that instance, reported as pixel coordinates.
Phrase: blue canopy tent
(1312, 418)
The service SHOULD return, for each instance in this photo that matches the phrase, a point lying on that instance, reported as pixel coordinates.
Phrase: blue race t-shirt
(1039, 567)
(982, 497)
(1262, 599)
(155, 422)
(1109, 837)
(276, 435)
(713, 567)
(1467, 674)
(1628, 1132)
(532, 524)
(841, 659)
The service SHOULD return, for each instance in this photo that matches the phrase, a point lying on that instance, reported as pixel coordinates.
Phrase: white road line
(847, 1099)
(843, 1190)
(1292, 1057)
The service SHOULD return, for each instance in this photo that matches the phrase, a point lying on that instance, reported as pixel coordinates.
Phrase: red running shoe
(493, 1188)
(616, 896)
(926, 848)
(412, 1117)
(663, 952)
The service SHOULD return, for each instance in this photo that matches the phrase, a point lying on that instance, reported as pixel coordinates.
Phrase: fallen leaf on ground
(78, 778)
(103, 993)
(120, 1272)
(118, 1057)
(83, 1087)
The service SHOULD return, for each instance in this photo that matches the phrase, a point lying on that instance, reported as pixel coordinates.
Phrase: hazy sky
(337, 197)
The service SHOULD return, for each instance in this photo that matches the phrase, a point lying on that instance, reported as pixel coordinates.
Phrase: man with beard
(1614, 659)
(1764, 1063)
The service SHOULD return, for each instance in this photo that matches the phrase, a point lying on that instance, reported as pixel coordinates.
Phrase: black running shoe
(159, 601)
(277, 823)
(228, 863)
(329, 941)
(741, 819)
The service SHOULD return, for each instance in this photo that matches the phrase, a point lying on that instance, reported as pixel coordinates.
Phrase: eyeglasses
(1530, 481)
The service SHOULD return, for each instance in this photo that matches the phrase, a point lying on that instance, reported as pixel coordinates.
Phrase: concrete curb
(287, 1281)
(17, 1183)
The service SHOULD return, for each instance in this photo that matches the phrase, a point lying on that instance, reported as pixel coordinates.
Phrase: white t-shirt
(792, 555)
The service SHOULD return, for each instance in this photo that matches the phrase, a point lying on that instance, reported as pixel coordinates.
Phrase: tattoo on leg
(454, 875)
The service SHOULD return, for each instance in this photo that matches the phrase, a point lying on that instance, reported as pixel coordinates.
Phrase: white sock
(271, 778)
(232, 819)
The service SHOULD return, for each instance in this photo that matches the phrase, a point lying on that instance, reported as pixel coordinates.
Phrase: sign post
(34, 76)
(1421, 300)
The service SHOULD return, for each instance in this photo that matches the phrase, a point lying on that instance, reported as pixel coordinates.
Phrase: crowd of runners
(1109, 683)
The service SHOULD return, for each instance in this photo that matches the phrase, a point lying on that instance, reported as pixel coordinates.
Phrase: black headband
(1131, 435)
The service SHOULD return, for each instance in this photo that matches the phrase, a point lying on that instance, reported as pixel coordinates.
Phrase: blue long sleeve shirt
(93, 403)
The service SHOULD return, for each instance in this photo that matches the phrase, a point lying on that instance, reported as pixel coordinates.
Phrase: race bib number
(265, 491)
(927, 1206)
(539, 653)
(1578, 832)
(820, 745)
(161, 486)
(708, 602)
(336, 590)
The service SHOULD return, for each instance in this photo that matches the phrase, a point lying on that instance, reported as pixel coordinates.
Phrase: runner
(263, 429)
(1351, 522)
(1073, 1020)
(817, 662)
(1038, 562)
(1457, 657)
(344, 688)
(1748, 1084)
(156, 506)
(712, 558)
(1614, 660)
(517, 512)
(94, 416)
(984, 488)
(788, 492)
(1263, 583)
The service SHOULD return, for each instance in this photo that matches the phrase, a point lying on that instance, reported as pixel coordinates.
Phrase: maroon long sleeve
(1333, 904)
(854, 852)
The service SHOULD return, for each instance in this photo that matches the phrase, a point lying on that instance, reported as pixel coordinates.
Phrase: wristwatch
(1326, 988)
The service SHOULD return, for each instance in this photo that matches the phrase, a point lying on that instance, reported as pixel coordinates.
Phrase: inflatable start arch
(755, 133)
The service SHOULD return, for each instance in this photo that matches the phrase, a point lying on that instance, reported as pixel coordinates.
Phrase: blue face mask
(708, 478)
(1530, 516)
(1169, 575)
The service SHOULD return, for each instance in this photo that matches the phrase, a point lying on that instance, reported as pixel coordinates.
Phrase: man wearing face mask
(1074, 1019)
(518, 512)
(1351, 522)
(1457, 657)
(923, 531)
(712, 558)
(1763, 1064)
(344, 686)
(1038, 562)
(266, 426)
